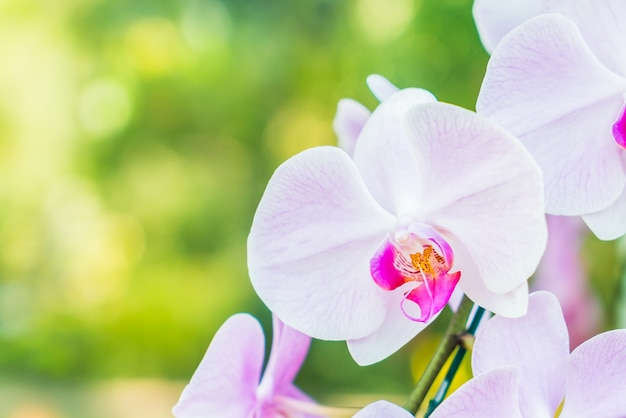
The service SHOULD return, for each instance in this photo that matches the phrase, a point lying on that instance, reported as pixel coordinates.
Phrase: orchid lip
(418, 255)
(619, 128)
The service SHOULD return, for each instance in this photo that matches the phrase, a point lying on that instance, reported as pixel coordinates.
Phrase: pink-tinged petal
(289, 349)
(225, 382)
(390, 336)
(495, 18)
(545, 86)
(537, 344)
(609, 223)
(562, 272)
(595, 378)
(512, 304)
(479, 185)
(312, 237)
(381, 87)
(380, 409)
(490, 395)
(348, 123)
(385, 159)
(603, 25)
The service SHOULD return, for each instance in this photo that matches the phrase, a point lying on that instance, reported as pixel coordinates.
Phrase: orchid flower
(523, 368)
(228, 380)
(558, 82)
(369, 249)
(562, 273)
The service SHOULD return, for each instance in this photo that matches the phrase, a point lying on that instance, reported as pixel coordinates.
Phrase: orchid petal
(479, 184)
(595, 377)
(289, 349)
(544, 85)
(515, 342)
(512, 304)
(495, 18)
(348, 123)
(562, 272)
(225, 382)
(311, 240)
(603, 25)
(609, 223)
(490, 395)
(385, 159)
(385, 409)
(381, 87)
(391, 335)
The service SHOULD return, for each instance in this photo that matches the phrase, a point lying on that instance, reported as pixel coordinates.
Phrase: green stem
(443, 351)
(454, 366)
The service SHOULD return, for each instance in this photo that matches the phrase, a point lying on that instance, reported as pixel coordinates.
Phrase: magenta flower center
(619, 128)
(417, 260)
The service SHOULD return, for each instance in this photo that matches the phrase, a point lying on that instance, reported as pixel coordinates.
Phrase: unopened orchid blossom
(558, 82)
(523, 368)
(228, 380)
(369, 248)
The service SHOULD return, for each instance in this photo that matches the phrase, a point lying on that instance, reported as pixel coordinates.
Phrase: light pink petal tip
(537, 344)
(312, 236)
(595, 377)
(348, 123)
(225, 382)
(384, 409)
(495, 18)
(490, 395)
(381, 87)
(289, 350)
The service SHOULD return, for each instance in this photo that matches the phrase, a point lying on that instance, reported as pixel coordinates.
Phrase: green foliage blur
(136, 138)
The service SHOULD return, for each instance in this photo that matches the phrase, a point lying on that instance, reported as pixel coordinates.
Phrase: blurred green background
(136, 138)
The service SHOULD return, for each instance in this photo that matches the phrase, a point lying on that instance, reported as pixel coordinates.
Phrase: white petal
(545, 86)
(391, 335)
(310, 244)
(479, 185)
(381, 87)
(495, 18)
(380, 409)
(609, 223)
(537, 344)
(603, 25)
(512, 304)
(384, 157)
(595, 377)
(489, 395)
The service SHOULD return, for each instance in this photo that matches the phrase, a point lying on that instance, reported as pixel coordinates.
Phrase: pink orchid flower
(369, 249)
(228, 380)
(523, 368)
(558, 82)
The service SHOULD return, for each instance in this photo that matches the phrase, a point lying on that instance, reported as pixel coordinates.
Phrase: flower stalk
(444, 350)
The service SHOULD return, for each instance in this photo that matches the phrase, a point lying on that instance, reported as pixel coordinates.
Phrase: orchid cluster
(425, 204)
